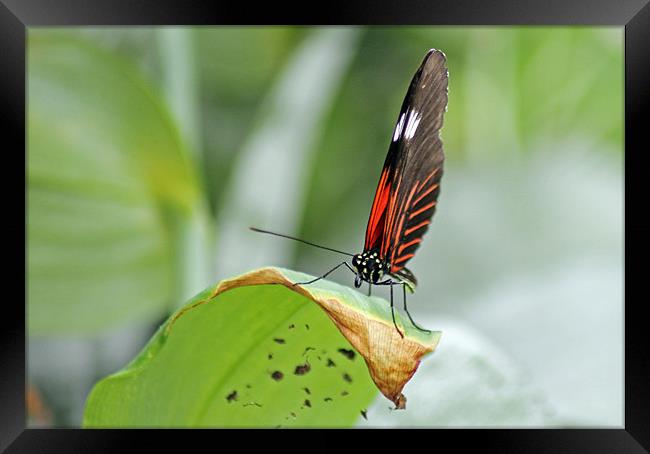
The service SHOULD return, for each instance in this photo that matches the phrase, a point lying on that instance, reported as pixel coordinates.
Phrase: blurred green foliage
(107, 176)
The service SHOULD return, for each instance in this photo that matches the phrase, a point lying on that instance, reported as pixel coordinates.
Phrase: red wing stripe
(429, 177)
(390, 220)
(406, 203)
(404, 258)
(374, 231)
(380, 199)
(424, 208)
(414, 228)
(423, 195)
(410, 243)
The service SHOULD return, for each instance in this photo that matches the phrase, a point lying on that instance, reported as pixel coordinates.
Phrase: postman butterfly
(408, 189)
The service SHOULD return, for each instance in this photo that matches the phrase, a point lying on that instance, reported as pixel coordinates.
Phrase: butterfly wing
(409, 184)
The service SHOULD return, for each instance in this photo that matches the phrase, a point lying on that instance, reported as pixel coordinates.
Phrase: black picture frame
(634, 15)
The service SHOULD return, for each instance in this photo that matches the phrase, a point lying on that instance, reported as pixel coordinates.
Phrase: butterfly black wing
(409, 185)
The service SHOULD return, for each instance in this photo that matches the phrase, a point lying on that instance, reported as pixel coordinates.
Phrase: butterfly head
(370, 267)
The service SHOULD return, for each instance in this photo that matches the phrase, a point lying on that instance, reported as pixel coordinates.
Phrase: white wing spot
(398, 128)
(412, 125)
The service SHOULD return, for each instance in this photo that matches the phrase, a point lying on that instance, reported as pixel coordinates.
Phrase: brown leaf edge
(392, 360)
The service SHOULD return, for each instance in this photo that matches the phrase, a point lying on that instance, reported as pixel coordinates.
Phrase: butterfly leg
(407, 311)
(391, 283)
(392, 312)
(369, 288)
(325, 275)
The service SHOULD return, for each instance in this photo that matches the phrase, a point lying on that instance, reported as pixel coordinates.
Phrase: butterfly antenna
(302, 241)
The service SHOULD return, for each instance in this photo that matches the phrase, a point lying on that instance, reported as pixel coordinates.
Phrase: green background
(151, 150)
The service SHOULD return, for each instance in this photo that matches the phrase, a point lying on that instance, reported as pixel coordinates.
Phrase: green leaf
(212, 362)
(107, 176)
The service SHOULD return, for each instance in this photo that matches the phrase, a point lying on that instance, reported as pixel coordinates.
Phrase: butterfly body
(370, 268)
(408, 189)
(407, 193)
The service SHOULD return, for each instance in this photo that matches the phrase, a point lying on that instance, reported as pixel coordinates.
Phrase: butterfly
(408, 189)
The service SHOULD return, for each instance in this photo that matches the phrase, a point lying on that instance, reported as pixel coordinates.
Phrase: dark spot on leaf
(364, 414)
(293, 414)
(292, 326)
(347, 378)
(248, 385)
(279, 340)
(277, 375)
(232, 396)
(328, 399)
(319, 358)
(307, 403)
(270, 356)
(252, 403)
(307, 326)
(344, 393)
(307, 390)
(307, 349)
(302, 369)
(349, 354)
(330, 363)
